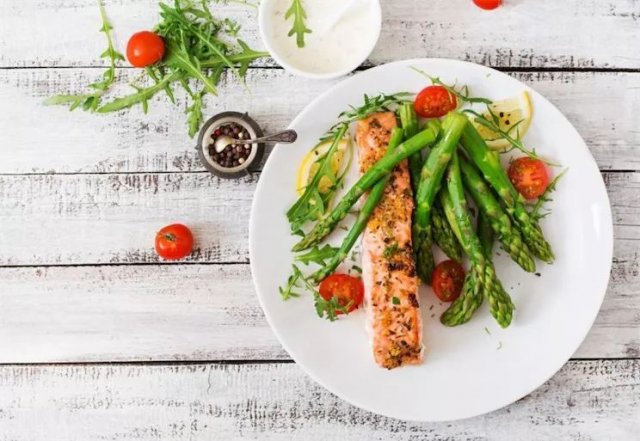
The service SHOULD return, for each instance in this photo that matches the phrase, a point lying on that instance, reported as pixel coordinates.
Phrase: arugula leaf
(329, 308)
(296, 10)
(545, 197)
(313, 204)
(462, 94)
(317, 255)
(378, 103)
(287, 292)
(91, 101)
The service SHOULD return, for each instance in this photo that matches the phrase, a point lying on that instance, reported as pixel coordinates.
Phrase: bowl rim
(262, 22)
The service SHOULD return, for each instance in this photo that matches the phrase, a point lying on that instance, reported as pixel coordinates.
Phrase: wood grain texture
(205, 312)
(112, 218)
(520, 34)
(586, 401)
(602, 106)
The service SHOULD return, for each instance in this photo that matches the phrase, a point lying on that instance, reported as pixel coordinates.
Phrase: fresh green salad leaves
(299, 28)
(199, 48)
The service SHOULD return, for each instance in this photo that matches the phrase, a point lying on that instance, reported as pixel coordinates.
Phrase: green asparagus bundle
(442, 233)
(370, 204)
(382, 168)
(482, 274)
(489, 164)
(498, 219)
(430, 181)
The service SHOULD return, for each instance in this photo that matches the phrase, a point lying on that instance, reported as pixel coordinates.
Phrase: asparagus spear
(489, 164)
(485, 234)
(361, 221)
(482, 274)
(380, 169)
(430, 180)
(409, 122)
(497, 218)
(443, 234)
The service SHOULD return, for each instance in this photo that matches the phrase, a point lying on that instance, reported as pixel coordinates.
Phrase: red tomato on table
(529, 176)
(434, 102)
(347, 289)
(174, 242)
(487, 4)
(447, 280)
(144, 49)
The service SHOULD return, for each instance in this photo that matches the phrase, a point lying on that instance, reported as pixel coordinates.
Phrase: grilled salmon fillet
(388, 266)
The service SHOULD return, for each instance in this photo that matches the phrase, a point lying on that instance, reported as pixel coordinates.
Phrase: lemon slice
(508, 112)
(309, 165)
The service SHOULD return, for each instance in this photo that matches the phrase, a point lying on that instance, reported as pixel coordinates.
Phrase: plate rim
(608, 233)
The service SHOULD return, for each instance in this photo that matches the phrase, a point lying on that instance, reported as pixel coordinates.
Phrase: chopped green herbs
(329, 308)
(395, 300)
(287, 292)
(299, 27)
(391, 250)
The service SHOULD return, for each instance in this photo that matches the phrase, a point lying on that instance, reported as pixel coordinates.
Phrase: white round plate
(477, 367)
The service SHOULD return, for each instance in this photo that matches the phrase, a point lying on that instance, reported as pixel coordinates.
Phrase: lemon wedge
(509, 112)
(309, 165)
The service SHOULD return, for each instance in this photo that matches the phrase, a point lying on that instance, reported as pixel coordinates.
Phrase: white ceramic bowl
(265, 20)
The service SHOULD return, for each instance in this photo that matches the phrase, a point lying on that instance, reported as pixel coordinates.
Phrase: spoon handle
(284, 137)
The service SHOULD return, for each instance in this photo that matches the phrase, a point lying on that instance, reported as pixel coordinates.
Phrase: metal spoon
(284, 137)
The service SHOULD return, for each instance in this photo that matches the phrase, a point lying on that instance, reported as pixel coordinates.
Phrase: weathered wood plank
(205, 312)
(132, 313)
(112, 218)
(586, 400)
(39, 139)
(520, 34)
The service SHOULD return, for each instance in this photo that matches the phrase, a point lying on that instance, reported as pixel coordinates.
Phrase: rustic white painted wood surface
(81, 195)
(586, 401)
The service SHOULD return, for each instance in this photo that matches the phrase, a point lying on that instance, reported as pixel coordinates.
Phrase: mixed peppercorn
(233, 155)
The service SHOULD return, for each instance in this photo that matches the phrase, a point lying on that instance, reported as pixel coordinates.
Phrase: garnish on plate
(299, 27)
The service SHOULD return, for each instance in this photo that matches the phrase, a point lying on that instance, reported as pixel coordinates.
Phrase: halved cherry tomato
(174, 242)
(144, 49)
(487, 4)
(529, 176)
(434, 102)
(447, 280)
(348, 290)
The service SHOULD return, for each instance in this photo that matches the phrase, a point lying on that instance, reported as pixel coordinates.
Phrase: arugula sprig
(546, 197)
(91, 101)
(313, 203)
(199, 48)
(329, 308)
(317, 255)
(461, 92)
(372, 104)
(512, 138)
(299, 27)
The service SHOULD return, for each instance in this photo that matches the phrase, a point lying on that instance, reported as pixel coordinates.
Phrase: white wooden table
(101, 341)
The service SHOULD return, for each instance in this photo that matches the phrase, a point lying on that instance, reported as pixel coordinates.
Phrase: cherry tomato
(447, 280)
(144, 49)
(174, 242)
(529, 176)
(346, 288)
(487, 4)
(434, 102)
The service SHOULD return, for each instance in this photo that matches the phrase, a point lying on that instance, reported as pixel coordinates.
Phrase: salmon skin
(388, 266)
